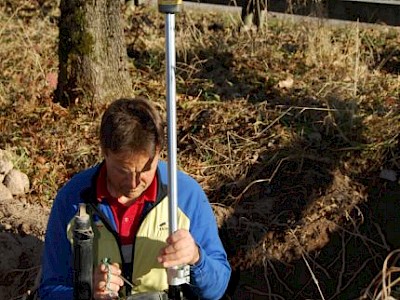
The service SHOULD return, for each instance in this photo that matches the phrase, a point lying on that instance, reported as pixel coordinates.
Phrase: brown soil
(22, 228)
(331, 247)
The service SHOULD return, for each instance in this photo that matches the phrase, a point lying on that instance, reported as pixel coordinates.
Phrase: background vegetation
(286, 128)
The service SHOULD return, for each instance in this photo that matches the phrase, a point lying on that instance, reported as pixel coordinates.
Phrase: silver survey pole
(171, 120)
(178, 275)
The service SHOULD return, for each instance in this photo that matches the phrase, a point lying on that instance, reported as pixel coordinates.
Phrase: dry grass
(305, 112)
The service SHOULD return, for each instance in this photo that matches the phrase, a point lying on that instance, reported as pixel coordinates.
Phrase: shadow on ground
(20, 263)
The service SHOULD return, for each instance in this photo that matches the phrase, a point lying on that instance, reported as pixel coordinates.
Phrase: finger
(180, 242)
(172, 248)
(115, 279)
(116, 265)
(113, 268)
(111, 279)
(104, 287)
(168, 262)
(181, 248)
(177, 235)
(105, 296)
(186, 254)
(111, 296)
(174, 259)
(184, 245)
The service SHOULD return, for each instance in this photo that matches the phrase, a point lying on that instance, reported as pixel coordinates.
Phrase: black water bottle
(83, 255)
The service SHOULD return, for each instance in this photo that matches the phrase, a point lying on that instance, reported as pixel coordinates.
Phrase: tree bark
(92, 53)
(253, 12)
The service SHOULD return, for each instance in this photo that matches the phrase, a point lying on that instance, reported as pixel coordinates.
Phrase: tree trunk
(254, 12)
(92, 53)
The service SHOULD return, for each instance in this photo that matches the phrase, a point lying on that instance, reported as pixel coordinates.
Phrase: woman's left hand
(181, 250)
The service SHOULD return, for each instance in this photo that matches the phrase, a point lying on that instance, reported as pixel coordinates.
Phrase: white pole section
(171, 120)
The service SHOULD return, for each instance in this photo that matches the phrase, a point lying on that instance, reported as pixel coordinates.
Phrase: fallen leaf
(286, 84)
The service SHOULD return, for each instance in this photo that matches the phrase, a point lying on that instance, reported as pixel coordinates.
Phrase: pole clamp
(178, 275)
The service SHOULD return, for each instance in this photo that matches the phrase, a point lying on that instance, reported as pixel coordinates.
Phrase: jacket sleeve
(211, 274)
(57, 273)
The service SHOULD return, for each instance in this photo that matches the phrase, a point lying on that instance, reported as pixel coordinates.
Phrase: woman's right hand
(107, 281)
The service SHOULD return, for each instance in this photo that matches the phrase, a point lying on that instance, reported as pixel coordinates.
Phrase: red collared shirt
(126, 217)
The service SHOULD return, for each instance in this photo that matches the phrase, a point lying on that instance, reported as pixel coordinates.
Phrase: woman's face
(129, 174)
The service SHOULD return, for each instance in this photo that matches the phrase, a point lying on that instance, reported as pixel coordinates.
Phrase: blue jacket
(208, 278)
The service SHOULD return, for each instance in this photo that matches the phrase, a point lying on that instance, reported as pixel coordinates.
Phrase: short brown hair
(131, 125)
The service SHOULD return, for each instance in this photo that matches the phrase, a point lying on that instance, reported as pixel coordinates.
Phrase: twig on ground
(273, 122)
(340, 252)
(308, 266)
(278, 278)
(385, 274)
(260, 293)
(343, 268)
(382, 290)
(358, 234)
(313, 277)
(352, 278)
(305, 252)
(267, 279)
(362, 237)
(378, 228)
(268, 179)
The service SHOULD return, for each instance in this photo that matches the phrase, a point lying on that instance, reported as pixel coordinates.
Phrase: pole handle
(170, 6)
